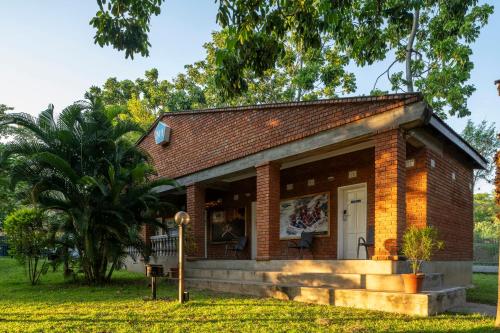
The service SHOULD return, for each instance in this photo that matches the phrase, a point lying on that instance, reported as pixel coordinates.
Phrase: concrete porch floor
(366, 284)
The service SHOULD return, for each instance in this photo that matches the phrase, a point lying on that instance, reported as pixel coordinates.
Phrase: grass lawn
(58, 306)
(485, 290)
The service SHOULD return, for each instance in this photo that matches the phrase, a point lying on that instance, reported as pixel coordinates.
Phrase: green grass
(59, 306)
(485, 289)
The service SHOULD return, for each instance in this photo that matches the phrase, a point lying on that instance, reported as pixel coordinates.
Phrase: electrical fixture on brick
(162, 133)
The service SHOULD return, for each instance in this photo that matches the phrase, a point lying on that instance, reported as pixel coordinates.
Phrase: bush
(28, 239)
(419, 244)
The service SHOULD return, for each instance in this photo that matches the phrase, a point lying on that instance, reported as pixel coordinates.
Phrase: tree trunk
(497, 199)
(409, 50)
(34, 269)
(65, 255)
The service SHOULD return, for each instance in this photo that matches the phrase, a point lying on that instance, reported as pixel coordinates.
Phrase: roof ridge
(339, 100)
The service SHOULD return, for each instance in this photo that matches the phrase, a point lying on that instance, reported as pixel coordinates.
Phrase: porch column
(146, 232)
(195, 205)
(390, 193)
(268, 210)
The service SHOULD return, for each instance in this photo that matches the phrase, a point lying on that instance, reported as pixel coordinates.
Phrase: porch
(341, 196)
(365, 284)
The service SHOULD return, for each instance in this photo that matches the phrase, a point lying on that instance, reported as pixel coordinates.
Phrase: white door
(253, 242)
(354, 221)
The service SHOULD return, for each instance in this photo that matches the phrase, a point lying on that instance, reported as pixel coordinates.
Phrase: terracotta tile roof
(406, 98)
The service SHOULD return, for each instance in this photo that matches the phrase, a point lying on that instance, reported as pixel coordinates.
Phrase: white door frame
(340, 214)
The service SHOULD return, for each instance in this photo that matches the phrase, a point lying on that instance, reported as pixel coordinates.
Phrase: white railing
(134, 253)
(164, 245)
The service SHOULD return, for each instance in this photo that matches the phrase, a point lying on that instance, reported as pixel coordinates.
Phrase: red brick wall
(203, 139)
(195, 204)
(146, 232)
(268, 210)
(451, 204)
(431, 197)
(416, 187)
(390, 197)
(337, 167)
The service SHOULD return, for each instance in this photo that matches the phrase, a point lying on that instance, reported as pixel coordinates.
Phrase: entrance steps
(377, 282)
(299, 266)
(326, 282)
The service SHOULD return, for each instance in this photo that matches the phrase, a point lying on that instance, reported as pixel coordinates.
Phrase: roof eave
(439, 125)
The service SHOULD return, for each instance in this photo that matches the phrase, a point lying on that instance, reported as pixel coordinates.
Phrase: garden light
(182, 219)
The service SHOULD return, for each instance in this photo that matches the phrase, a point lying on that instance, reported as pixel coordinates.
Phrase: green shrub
(419, 244)
(28, 239)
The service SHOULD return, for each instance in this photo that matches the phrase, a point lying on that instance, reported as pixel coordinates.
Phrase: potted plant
(419, 245)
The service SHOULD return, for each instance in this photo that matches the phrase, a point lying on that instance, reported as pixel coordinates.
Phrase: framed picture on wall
(309, 213)
(227, 225)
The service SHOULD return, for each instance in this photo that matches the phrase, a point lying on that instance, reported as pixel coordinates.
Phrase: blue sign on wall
(162, 133)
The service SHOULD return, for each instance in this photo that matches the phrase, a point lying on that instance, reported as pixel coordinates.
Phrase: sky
(47, 55)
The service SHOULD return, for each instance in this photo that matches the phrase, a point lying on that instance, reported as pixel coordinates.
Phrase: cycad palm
(80, 164)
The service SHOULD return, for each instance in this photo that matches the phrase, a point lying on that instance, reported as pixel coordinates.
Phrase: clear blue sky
(48, 55)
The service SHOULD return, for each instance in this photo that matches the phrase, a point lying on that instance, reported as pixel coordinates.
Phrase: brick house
(342, 168)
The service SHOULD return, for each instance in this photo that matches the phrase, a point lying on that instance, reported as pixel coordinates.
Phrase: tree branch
(409, 48)
(386, 71)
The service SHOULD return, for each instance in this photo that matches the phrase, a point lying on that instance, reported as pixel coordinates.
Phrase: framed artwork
(226, 225)
(309, 213)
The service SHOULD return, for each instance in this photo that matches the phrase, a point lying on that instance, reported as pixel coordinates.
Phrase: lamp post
(181, 219)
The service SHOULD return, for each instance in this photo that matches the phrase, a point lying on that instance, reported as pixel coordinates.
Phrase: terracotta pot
(413, 282)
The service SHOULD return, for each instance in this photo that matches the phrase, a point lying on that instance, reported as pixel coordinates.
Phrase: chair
(305, 243)
(237, 247)
(368, 242)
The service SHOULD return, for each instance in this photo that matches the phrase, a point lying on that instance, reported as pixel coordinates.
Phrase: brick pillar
(146, 232)
(390, 193)
(195, 205)
(417, 193)
(268, 210)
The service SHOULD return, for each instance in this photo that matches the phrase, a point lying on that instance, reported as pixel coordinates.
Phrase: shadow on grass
(357, 323)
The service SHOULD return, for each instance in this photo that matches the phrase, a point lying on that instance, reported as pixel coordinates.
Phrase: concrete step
(280, 278)
(311, 266)
(380, 282)
(423, 304)
(316, 295)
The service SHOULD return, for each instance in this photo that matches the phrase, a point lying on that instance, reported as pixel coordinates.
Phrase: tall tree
(483, 138)
(299, 76)
(429, 39)
(125, 24)
(79, 165)
(486, 224)
(3, 109)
